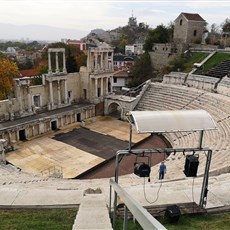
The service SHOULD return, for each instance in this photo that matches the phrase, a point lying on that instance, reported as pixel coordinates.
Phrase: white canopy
(171, 121)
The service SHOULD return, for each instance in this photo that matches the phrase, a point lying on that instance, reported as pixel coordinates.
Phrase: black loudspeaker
(191, 165)
(172, 213)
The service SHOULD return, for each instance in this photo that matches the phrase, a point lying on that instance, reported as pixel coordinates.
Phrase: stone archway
(115, 109)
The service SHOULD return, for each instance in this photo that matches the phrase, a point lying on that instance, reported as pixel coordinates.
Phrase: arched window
(181, 22)
(194, 33)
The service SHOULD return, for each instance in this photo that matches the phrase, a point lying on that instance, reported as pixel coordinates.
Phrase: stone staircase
(93, 213)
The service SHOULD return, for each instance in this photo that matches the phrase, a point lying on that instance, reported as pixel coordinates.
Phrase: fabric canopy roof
(171, 121)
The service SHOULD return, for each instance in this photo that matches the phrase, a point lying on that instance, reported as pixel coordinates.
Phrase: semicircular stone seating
(160, 96)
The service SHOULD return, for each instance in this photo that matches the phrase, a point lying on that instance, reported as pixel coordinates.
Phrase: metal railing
(144, 218)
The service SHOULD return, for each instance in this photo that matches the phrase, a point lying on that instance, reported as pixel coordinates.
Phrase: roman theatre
(59, 139)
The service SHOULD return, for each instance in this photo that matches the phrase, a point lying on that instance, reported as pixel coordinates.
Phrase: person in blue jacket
(162, 170)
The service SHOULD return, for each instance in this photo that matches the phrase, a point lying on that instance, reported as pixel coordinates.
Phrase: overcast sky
(88, 15)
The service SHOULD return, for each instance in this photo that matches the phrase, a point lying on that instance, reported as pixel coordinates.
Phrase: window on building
(114, 80)
(194, 33)
(181, 22)
(37, 102)
(85, 94)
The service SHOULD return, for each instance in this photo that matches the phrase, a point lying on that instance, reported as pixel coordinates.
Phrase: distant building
(121, 79)
(135, 49)
(132, 21)
(79, 44)
(121, 61)
(129, 49)
(188, 28)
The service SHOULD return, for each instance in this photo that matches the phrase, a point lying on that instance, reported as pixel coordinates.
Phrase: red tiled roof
(29, 72)
(121, 73)
(193, 17)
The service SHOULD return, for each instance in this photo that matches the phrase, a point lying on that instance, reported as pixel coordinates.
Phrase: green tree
(226, 25)
(8, 70)
(141, 70)
(160, 34)
(177, 63)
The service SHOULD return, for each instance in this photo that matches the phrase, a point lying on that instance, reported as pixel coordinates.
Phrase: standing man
(162, 170)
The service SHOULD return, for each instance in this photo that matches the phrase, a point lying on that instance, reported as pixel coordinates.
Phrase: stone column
(66, 91)
(112, 61)
(102, 87)
(107, 85)
(20, 98)
(111, 84)
(96, 88)
(64, 64)
(51, 94)
(49, 62)
(59, 93)
(2, 150)
(102, 60)
(29, 99)
(89, 63)
(96, 64)
(57, 65)
(107, 61)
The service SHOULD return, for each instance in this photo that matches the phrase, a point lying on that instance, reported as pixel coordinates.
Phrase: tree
(214, 28)
(141, 70)
(226, 25)
(8, 70)
(160, 34)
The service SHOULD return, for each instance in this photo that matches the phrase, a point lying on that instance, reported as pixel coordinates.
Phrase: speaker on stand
(191, 165)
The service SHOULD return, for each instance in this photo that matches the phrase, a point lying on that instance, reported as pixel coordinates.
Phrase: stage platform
(73, 150)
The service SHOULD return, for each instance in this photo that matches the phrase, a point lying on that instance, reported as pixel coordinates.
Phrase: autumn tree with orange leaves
(8, 70)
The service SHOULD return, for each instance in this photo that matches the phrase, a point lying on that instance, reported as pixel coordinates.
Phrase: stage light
(142, 169)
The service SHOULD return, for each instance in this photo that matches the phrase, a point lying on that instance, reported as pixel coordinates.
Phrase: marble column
(51, 94)
(10, 136)
(57, 65)
(96, 88)
(102, 60)
(20, 98)
(112, 61)
(96, 61)
(102, 87)
(29, 99)
(107, 85)
(107, 61)
(66, 91)
(59, 93)
(49, 62)
(64, 64)
(111, 84)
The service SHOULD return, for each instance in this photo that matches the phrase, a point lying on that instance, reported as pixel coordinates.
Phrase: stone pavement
(61, 192)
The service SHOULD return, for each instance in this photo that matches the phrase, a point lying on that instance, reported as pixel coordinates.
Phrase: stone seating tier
(220, 70)
(171, 97)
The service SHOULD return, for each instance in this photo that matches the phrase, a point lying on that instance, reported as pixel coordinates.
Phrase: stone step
(93, 213)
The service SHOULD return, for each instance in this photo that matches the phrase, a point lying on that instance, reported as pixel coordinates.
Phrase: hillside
(120, 36)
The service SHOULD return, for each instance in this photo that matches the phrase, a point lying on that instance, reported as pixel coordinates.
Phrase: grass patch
(205, 221)
(195, 57)
(189, 222)
(37, 219)
(216, 59)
